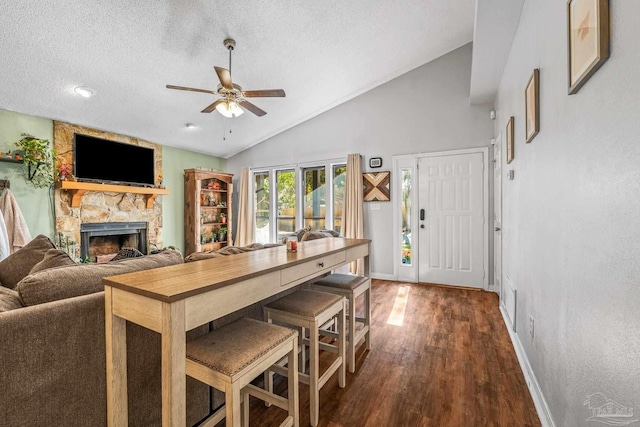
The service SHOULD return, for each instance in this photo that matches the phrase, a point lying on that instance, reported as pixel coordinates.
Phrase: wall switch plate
(374, 206)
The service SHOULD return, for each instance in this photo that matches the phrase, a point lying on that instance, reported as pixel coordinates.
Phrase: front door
(451, 220)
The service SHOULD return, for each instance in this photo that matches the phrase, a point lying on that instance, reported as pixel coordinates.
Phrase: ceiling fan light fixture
(229, 109)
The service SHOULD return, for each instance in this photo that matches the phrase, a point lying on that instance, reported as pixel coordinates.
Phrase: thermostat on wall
(375, 162)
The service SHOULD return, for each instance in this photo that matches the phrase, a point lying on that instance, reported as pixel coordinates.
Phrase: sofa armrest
(49, 366)
(53, 368)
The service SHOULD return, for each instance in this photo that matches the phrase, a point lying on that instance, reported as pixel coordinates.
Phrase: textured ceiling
(321, 53)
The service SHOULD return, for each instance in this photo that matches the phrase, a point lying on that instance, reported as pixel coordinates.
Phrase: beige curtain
(244, 236)
(353, 221)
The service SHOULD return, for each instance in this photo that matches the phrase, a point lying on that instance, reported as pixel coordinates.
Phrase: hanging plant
(38, 157)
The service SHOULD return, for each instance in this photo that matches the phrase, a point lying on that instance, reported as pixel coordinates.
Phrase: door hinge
(484, 274)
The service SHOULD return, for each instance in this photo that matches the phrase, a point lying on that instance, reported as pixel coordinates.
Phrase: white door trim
(485, 204)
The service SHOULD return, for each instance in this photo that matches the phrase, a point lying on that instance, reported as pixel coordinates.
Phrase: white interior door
(451, 218)
(497, 217)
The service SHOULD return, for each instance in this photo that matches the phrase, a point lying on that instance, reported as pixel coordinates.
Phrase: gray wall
(570, 217)
(424, 110)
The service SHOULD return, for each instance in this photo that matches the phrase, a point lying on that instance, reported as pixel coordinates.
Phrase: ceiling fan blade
(190, 89)
(225, 77)
(212, 107)
(249, 106)
(264, 93)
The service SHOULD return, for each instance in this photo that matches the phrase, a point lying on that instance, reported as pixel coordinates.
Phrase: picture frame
(532, 106)
(588, 40)
(510, 139)
(375, 162)
(377, 186)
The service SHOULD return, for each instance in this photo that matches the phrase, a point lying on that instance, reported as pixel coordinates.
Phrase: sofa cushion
(82, 279)
(17, 265)
(53, 258)
(126, 253)
(9, 299)
(228, 250)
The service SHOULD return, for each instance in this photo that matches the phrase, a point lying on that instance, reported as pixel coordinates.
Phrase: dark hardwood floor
(448, 361)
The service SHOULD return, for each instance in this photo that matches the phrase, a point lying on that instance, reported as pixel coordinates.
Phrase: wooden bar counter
(172, 300)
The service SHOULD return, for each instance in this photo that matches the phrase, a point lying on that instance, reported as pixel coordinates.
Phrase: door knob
(497, 228)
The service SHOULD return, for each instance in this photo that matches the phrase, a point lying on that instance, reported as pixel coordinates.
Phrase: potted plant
(38, 157)
(222, 234)
(223, 218)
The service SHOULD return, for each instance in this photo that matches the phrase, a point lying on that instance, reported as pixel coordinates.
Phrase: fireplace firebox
(105, 238)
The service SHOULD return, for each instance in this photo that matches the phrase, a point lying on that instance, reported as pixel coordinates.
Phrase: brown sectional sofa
(52, 351)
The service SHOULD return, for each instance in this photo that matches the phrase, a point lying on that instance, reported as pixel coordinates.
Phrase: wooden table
(172, 300)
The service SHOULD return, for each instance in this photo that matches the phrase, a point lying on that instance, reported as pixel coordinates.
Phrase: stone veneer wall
(103, 206)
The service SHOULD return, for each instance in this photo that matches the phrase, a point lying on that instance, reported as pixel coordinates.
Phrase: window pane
(261, 202)
(286, 222)
(339, 179)
(406, 216)
(314, 200)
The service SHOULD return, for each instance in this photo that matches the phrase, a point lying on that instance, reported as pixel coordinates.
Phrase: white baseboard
(383, 276)
(534, 387)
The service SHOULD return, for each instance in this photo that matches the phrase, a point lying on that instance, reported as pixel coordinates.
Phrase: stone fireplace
(104, 207)
(106, 238)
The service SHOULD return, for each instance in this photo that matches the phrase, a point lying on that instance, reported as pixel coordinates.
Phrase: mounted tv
(101, 160)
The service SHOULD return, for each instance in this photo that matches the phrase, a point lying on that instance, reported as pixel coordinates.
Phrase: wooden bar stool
(310, 309)
(229, 358)
(351, 287)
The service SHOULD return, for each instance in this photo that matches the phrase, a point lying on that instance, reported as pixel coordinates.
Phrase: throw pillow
(18, 265)
(9, 299)
(53, 258)
(313, 235)
(125, 253)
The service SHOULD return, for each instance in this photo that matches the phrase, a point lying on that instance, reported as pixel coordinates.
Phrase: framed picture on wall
(510, 134)
(377, 186)
(588, 32)
(532, 106)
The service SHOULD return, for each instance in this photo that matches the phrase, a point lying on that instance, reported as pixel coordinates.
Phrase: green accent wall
(174, 162)
(37, 204)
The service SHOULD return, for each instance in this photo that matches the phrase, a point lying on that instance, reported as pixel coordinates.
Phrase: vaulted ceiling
(320, 53)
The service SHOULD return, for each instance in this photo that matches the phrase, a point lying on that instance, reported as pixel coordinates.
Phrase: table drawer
(309, 268)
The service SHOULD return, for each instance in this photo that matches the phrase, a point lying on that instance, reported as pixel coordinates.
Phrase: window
(262, 203)
(286, 199)
(314, 197)
(406, 216)
(298, 196)
(339, 180)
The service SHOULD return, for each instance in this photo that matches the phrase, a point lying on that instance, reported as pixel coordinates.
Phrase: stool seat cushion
(305, 302)
(235, 346)
(342, 281)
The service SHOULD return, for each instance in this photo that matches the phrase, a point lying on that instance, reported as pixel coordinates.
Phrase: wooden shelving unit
(204, 205)
(77, 189)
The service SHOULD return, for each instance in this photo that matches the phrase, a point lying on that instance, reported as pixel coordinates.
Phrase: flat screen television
(100, 160)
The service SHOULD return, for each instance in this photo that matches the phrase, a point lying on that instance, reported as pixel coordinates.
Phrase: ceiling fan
(233, 97)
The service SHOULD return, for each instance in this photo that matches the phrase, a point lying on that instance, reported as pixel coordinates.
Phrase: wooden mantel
(77, 189)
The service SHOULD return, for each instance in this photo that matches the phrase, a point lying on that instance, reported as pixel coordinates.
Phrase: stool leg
(352, 333)
(303, 352)
(245, 409)
(367, 315)
(292, 389)
(314, 392)
(232, 403)
(268, 375)
(342, 371)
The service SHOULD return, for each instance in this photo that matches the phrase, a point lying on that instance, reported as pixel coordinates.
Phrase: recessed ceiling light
(84, 91)
(190, 126)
